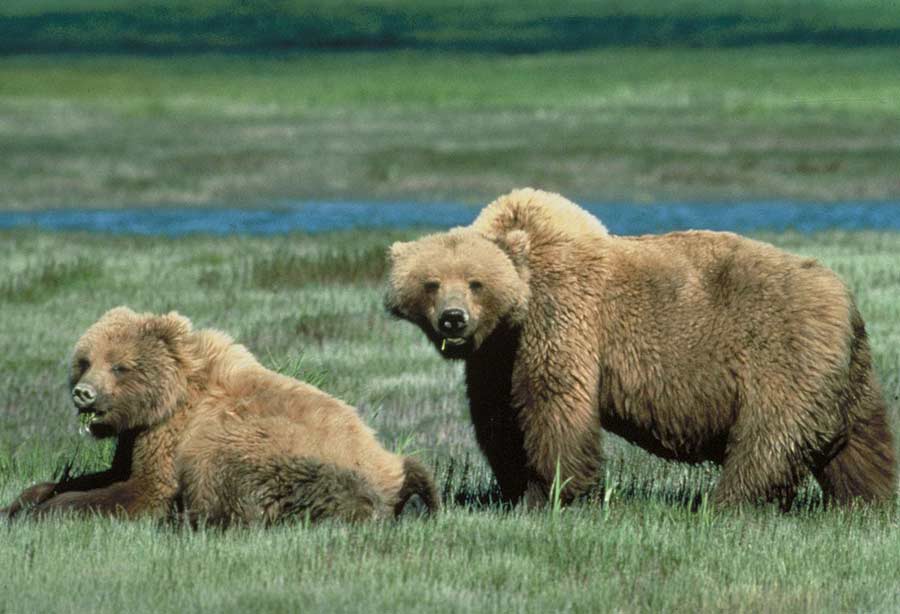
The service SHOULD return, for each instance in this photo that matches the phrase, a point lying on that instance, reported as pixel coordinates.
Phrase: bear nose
(453, 321)
(84, 395)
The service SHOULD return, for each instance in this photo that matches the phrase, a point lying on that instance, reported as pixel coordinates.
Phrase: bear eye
(120, 369)
(475, 285)
(83, 364)
(432, 286)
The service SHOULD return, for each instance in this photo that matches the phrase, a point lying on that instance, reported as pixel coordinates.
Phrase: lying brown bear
(697, 346)
(203, 427)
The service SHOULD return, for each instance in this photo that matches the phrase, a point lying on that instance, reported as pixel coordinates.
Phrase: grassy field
(311, 305)
(632, 124)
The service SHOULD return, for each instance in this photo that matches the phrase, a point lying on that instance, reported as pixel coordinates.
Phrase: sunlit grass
(648, 542)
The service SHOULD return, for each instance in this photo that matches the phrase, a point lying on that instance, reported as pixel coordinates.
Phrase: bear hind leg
(306, 488)
(759, 469)
(766, 488)
(865, 468)
(274, 490)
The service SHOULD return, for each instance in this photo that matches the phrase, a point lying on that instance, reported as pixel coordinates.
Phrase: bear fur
(206, 430)
(696, 346)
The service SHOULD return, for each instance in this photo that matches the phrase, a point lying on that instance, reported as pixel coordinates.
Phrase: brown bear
(202, 427)
(696, 346)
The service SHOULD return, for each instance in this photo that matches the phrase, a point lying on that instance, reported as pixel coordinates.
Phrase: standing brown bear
(203, 427)
(696, 346)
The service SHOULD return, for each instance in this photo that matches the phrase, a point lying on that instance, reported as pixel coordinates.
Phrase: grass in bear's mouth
(89, 417)
(454, 341)
(637, 546)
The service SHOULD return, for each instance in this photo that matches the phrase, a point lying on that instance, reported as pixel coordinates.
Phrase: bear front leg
(119, 499)
(501, 441)
(31, 496)
(41, 492)
(562, 445)
(556, 386)
(565, 469)
(498, 428)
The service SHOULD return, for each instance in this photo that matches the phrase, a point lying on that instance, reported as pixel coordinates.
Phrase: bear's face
(458, 286)
(127, 370)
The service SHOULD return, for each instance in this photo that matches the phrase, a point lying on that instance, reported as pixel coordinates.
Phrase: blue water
(326, 216)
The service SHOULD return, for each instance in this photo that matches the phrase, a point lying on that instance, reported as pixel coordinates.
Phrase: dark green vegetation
(632, 124)
(311, 306)
(504, 25)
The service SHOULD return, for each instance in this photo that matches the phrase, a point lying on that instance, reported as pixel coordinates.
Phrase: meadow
(310, 306)
(632, 124)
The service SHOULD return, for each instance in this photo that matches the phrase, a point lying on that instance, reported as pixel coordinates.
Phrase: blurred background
(127, 103)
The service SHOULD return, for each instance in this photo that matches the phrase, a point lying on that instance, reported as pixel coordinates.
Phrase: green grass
(634, 124)
(311, 305)
(630, 557)
(504, 25)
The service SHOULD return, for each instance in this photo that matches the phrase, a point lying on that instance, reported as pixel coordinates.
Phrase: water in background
(314, 217)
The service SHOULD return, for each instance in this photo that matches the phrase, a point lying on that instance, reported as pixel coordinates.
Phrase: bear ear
(397, 250)
(516, 244)
(169, 328)
(118, 313)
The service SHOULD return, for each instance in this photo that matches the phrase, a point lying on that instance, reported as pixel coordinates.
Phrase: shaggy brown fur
(203, 427)
(694, 345)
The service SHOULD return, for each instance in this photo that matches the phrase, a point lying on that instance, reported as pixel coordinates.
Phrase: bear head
(459, 286)
(129, 370)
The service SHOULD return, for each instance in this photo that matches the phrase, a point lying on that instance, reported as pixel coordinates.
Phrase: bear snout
(84, 395)
(452, 322)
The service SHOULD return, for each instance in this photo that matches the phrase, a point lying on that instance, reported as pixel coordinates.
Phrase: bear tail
(865, 468)
(418, 490)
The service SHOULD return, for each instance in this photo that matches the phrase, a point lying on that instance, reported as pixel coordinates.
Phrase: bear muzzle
(84, 396)
(87, 402)
(453, 328)
(452, 325)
